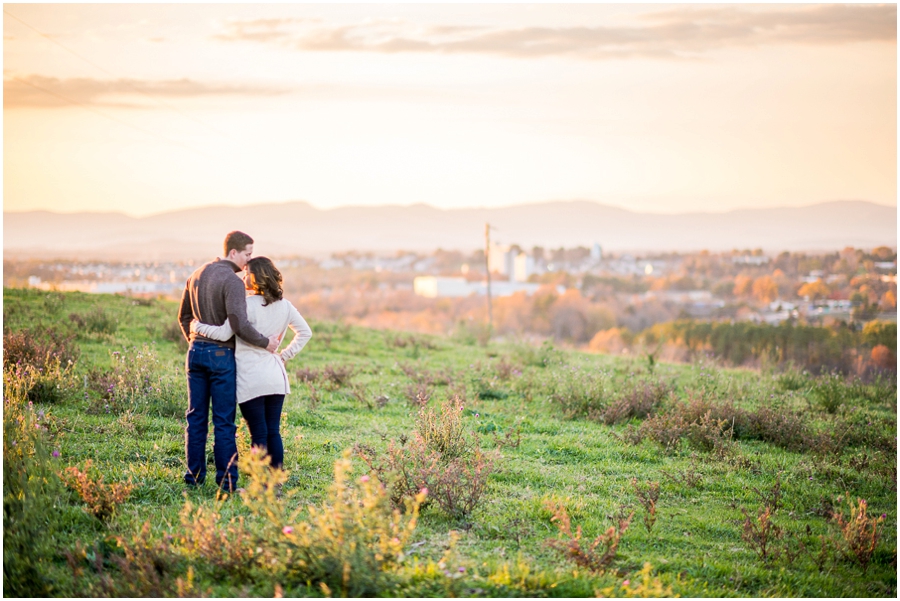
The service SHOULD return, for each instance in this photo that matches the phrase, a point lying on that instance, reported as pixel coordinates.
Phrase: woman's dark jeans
(263, 416)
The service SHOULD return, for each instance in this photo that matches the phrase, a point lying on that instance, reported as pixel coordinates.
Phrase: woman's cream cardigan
(260, 372)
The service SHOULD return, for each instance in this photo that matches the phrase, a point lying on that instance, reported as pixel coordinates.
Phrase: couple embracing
(234, 329)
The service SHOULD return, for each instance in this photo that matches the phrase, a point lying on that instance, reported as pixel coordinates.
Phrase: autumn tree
(814, 290)
(743, 285)
(765, 290)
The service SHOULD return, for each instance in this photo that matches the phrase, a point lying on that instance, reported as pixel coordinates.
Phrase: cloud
(673, 33)
(260, 30)
(40, 91)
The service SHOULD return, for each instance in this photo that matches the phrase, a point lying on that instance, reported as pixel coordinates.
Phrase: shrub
(689, 477)
(54, 302)
(335, 377)
(879, 390)
(444, 431)
(403, 341)
(352, 543)
(135, 383)
(471, 333)
(792, 380)
(712, 426)
(780, 427)
(101, 500)
(172, 332)
(38, 348)
(417, 394)
(578, 393)
(858, 531)
(484, 382)
(640, 401)
(666, 429)
(147, 567)
(573, 546)
(405, 468)
(761, 534)
(315, 396)
(648, 586)
(359, 394)
(48, 384)
(97, 321)
(308, 374)
(457, 487)
(226, 547)
(771, 498)
(831, 392)
(420, 375)
(506, 370)
(441, 457)
(709, 434)
(31, 489)
(647, 494)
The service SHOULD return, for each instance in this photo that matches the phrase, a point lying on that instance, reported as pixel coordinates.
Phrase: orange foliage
(883, 357)
(765, 290)
(814, 290)
(607, 341)
(888, 300)
(743, 285)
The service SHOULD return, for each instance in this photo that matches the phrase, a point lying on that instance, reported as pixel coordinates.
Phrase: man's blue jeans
(211, 376)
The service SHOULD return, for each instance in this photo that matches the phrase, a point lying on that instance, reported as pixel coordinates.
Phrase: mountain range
(299, 228)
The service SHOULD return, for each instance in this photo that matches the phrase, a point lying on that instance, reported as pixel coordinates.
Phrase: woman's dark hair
(266, 279)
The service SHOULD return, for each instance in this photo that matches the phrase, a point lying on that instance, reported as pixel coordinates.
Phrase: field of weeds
(421, 466)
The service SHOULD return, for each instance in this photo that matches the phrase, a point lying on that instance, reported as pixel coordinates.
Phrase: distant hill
(297, 227)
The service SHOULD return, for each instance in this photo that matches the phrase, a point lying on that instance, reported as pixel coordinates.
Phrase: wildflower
(883, 515)
(626, 582)
(462, 570)
(364, 479)
(287, 530)
(424, 491)
(55, 453)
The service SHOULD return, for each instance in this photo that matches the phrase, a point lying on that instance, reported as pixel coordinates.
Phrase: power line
(121, 79)
(111, 118)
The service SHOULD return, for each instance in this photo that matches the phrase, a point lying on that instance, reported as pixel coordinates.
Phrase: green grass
(695, 547)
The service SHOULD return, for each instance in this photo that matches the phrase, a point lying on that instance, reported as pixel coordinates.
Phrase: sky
(664, 108)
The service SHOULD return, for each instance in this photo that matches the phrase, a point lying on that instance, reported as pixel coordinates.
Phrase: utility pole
(487, 266)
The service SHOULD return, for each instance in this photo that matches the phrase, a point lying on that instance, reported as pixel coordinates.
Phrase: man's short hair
(236, 241)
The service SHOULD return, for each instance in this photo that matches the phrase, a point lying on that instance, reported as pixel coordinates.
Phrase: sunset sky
(666, 108)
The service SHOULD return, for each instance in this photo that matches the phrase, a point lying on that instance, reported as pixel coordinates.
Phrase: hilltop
(695, 479)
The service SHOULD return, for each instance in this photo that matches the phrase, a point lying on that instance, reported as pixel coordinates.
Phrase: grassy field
(737, 483)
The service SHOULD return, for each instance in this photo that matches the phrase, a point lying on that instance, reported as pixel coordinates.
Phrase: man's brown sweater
(213, 294)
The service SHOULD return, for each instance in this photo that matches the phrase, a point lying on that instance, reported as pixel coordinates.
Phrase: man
(213, 294)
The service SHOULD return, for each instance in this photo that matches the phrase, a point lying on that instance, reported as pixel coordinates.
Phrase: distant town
(634, 292)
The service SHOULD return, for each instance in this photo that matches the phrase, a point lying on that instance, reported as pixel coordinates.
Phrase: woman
(262, 381)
